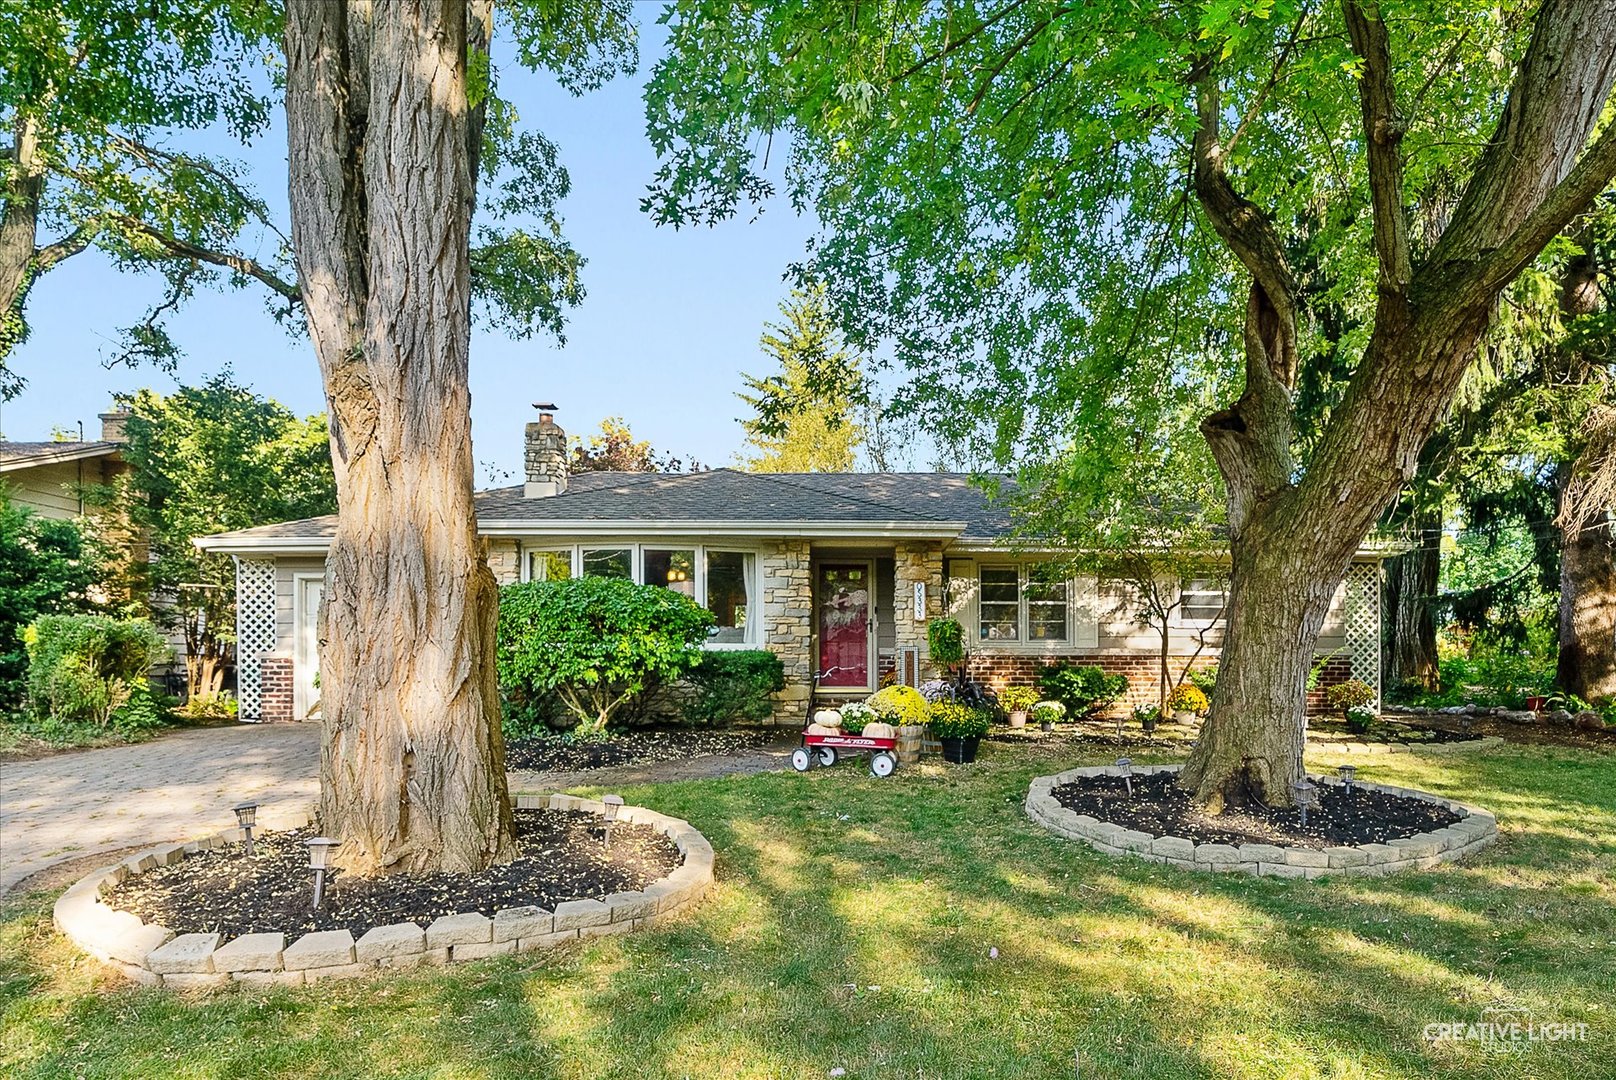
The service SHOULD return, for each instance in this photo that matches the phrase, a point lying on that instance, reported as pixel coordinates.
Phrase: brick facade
(1142, 669)
(276, 697)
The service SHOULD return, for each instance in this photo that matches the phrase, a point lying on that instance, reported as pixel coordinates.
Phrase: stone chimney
(112, 426)
(545, 456)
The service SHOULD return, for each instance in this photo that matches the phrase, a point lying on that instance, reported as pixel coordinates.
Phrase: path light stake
(1306, 797)
(1347, 773)
(319, 850)
(1126, 765)
(246, 817)
(611, 804)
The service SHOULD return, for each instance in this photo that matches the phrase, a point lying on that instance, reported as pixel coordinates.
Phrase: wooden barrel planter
(909, 741)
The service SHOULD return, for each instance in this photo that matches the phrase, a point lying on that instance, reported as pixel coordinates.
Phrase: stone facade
(505, 560)
(276, 695)
(919, 563)
(788, 623)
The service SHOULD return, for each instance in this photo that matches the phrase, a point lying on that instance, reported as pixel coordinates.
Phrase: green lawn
(852, 928)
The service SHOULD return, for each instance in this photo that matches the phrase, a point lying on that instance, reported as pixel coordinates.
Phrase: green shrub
(1347, 695)
(1204, 679)
(143, 711)
(1083, 689)
(1018, 698)
(1187, 698)
(218, 706)
(596, 643)
(47, 567)
(85, 668)
(734, 685)
(945, 639)
(953, 721)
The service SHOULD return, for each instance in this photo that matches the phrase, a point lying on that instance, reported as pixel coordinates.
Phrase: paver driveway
(181, 785)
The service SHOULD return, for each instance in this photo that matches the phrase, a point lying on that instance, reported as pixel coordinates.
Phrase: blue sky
(670, 319)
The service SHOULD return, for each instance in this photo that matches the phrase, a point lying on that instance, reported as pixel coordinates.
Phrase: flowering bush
(897, 705)
(1018, 698)
(1048, 712)
(952, 721)
(1187, 698)
(855, 715)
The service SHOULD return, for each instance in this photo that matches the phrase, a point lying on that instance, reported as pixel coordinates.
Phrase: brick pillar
(277, 695)
(788, 624)
(920, 562)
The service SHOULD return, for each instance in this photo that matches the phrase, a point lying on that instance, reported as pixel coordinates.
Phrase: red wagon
(828, 749)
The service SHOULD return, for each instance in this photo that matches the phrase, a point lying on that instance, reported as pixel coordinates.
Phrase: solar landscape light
(1126, 765)
(319, 852)
(1347, 774)
(246, 817)
(610, 805)
(1307, 797)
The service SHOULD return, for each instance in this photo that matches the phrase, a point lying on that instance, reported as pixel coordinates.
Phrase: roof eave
(54, 457)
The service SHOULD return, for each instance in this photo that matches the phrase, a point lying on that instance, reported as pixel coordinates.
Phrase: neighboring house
(49, 477)
(838, 573)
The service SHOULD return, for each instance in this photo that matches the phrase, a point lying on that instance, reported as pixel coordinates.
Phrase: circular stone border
(1316, 745)
(1475, 829)
(152, 955)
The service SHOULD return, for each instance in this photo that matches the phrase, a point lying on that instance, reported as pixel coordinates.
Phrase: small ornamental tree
(595, 643)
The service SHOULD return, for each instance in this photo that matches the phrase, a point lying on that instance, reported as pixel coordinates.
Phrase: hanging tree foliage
(1068, 217)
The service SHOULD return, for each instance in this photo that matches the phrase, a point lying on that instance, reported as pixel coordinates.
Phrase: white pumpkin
(821, 729)
(879, 730)
(828, 718)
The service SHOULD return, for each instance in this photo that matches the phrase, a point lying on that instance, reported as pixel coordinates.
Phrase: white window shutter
(1085, 614)
(961, 596)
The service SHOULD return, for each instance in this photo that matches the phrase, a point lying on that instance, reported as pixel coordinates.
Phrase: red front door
(844, 625)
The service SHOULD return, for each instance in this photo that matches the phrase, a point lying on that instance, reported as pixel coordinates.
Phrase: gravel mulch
(1161, 808)
(561, 856)
(562, 753)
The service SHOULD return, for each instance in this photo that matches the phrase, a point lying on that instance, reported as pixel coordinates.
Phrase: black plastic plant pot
(1046, 725)
(960, 751)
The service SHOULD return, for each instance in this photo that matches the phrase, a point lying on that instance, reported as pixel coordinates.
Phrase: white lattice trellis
(255, 631)
(1362, 613)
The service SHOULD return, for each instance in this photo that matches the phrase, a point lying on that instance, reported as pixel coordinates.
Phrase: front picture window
(609, 562)
(1000, 606)
(549, 565)
(729, 578)
(674, 570)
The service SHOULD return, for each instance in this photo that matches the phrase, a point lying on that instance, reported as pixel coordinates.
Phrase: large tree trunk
(1293, 533)
(412, 764)
(1587, 665)
(19, 229)
(1411, 588)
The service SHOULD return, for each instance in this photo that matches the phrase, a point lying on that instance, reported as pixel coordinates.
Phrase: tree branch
(241, 264)
(969, 36)
(1261, 96)
(68, 246)
(1383, 137)
(1010, 54)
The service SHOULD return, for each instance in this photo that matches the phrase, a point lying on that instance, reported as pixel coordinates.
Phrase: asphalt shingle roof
(726, 495)
(13, 453)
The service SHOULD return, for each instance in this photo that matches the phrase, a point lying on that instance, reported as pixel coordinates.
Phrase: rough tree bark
(412, 762)
(1411, 585)
(1292, 536)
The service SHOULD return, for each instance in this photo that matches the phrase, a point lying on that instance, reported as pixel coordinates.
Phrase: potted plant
(1186, 702)
(1047, 714)
(1350, 695)
(960, 729)
(1147, 716)
(1017, 700)
(945, 641)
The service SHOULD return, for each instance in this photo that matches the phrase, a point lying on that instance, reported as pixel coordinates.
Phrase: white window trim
(637, 549)
(1023, 641)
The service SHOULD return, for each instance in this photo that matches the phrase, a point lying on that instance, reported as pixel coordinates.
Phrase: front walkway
(75, 804)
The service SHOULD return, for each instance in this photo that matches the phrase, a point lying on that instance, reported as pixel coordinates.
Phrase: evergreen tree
(804, 415)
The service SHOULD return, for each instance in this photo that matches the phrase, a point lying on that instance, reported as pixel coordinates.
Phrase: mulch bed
(1161, 808)
(1397, 734)
(561, 856)
(562, 753)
